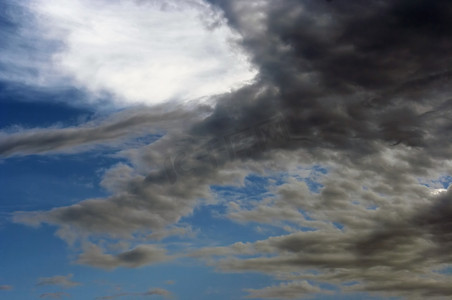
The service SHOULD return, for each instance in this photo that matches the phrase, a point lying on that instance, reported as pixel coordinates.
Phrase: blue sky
(194, 149)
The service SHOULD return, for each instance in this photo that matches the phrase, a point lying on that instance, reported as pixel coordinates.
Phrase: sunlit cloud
(133, 52)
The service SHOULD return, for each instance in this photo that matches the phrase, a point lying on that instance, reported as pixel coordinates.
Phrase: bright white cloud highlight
(144, 51)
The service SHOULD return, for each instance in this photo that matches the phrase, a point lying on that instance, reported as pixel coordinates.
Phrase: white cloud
(142, 51)
(438, 191)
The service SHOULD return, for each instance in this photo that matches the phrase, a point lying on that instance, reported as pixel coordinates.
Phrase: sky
(226, 149)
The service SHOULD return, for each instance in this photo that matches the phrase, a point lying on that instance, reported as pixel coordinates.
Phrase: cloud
(144, 199)
(396, 253)
(364, 91)
(6, 287)
(140, 256)
(58, 295)
(115, 129)
(150, 292)
(20, 59)
(145, 52)
(63, 281)
(291, 290)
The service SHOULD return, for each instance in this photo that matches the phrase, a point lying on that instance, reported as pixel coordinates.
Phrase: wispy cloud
(151, 292)
(6, 287)
(59, 280)
(116, 129)
(292, 290)
(59, 295)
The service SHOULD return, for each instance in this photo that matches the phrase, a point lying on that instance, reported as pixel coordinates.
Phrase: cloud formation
(139, 256)
(59, 280)
(150, 292)
(364, 91)
(291, 290)
(146, 52)
(115, 129)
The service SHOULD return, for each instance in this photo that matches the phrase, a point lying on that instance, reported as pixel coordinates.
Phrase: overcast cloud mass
(303, 144)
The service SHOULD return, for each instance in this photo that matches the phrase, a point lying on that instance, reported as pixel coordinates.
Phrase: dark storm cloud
(433, 220)
(347, 73)
(367, 83)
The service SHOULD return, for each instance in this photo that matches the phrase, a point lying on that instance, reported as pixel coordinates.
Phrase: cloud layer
(363, 90)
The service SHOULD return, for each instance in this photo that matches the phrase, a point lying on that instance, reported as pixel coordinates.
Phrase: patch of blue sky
(257, 187)
(320, 169)
(441, 182)
(339, 226)
(185, 278)
(445, 181)
(306, 215)
(210, 222)
(311, 175)
(48, 256)
(314, 186)
(446, 270)
(43, 110)
(41, 182)
(372, 207)
(41, 254)
(196, 281)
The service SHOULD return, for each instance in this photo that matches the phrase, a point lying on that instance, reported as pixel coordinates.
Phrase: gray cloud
(139, 256)
(59, 295)
(291, 290)
(117, 128)
(396, 253)
(150, 292)
(60, 280)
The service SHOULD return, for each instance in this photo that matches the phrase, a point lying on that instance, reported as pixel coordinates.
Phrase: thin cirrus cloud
(150, 292)
(59, 280)
(5, 287)
(145, 52)
(58, 295)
